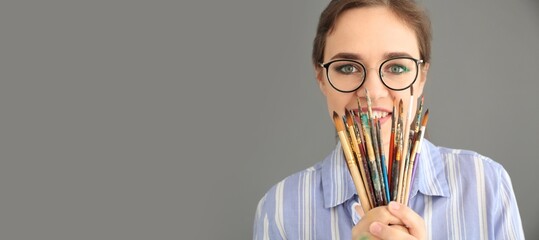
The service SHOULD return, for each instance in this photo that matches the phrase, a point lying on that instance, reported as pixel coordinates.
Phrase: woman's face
(370, 35)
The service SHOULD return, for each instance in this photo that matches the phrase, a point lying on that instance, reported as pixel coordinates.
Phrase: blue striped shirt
(460, 195)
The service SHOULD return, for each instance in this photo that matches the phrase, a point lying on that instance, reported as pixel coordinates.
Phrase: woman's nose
(374, 84)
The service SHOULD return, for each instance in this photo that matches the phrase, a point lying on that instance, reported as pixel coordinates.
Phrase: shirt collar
(338, 187)
(430, 176)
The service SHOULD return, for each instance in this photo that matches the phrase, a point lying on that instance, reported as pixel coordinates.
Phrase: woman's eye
(347, 69)
(398, 69)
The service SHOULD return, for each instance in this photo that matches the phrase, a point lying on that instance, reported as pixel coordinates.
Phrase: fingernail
(376, 228)
(394, 205)
(359, 210)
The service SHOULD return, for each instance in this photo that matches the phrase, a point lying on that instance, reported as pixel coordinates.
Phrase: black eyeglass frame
(326, 66)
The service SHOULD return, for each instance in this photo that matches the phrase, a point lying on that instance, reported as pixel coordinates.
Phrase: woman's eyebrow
(355, 56)
(396, 54)
(346, 55)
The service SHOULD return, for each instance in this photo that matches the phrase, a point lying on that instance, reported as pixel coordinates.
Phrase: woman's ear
(420, 84)
(424, 72)
(319, 73)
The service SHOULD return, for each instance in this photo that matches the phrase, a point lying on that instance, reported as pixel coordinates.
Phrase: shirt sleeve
(261, 224)
(266, 226)
(508, 224)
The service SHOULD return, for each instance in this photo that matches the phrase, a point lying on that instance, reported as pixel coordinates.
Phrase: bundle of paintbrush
(381, 178)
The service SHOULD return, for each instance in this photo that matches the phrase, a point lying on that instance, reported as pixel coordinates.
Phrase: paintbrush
(363, 149)
(355, 147)
(374, 143)
(351, 163)
(415, 158)
(391, 156)
(414, 124)
(398, 153)
(406, 151)
(375, 177)
(377, 155)
(414, 138)
(383, 162)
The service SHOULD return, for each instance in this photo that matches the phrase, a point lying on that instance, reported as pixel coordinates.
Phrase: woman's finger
(410, 219)
(384, 231)
(378, 214)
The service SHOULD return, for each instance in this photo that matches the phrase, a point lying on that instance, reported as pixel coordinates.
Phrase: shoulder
(469, 168)
(486, 187)
(288, 188)
(470, 161)
(284, 201)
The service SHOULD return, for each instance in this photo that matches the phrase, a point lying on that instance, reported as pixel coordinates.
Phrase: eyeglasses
(395, 73)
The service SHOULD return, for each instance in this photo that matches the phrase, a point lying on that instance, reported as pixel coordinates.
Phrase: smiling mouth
(379, 113)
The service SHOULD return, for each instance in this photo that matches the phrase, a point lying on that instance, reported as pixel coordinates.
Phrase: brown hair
(408, 10)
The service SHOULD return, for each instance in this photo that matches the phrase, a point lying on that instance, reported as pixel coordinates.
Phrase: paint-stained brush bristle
(425, 118)
(339, 125)
(358, 106)
(369, 104)
(393, 113)
(421, 102)
(349, 118)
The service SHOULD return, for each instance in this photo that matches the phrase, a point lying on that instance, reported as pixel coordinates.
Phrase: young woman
(456, 194)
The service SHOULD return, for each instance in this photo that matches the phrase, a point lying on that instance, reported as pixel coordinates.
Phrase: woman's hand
(376, 216)
(394, 221)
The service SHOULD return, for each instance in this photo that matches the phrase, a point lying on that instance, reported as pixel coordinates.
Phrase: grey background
(169, 120)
